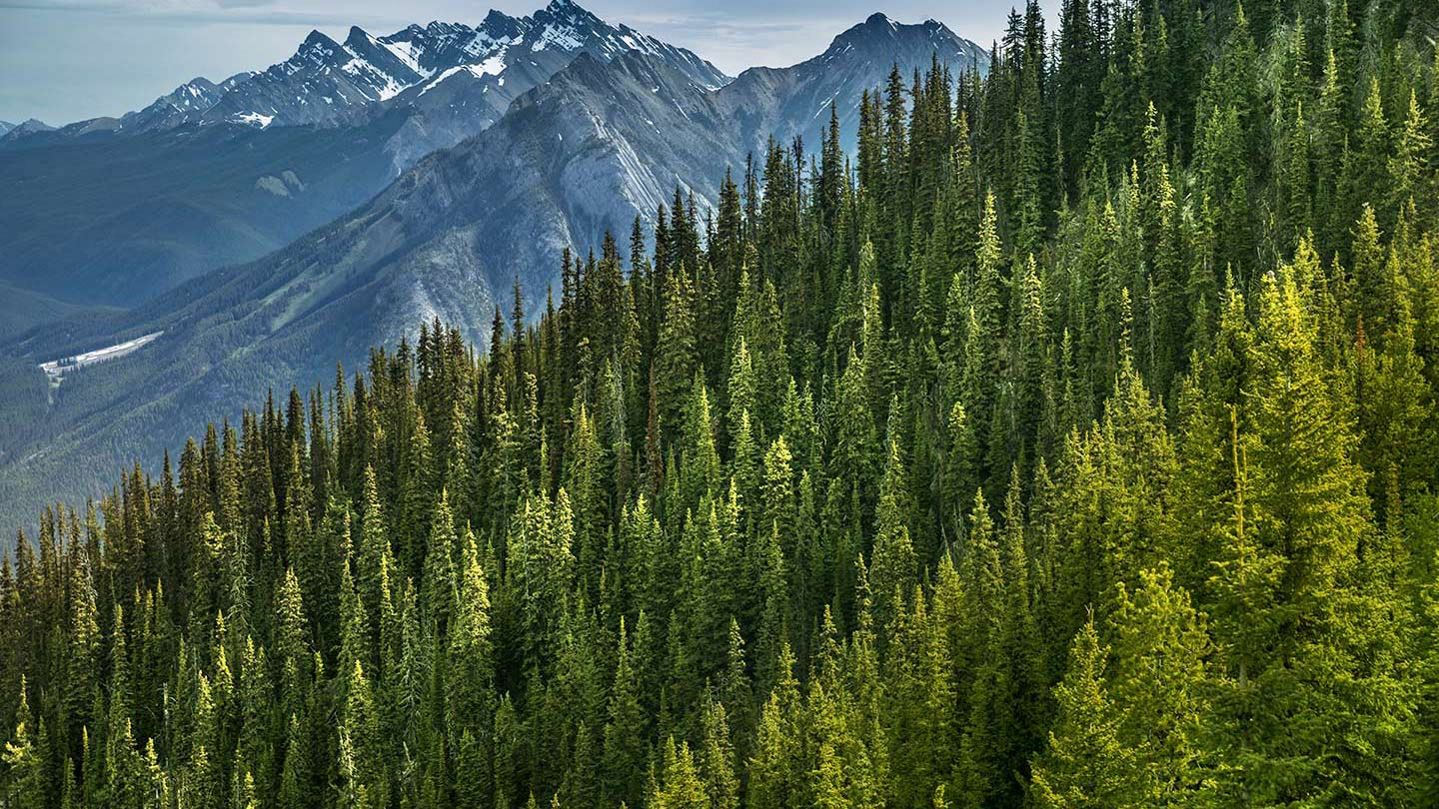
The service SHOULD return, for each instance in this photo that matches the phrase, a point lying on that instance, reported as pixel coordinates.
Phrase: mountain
(329, 83)
(604, 142)
(185, 104)
(29, 309)
(860, 58)
(15, 132)
(458, 101)
(117, 220)
(587, 151)
(5, 126)
(114, 210)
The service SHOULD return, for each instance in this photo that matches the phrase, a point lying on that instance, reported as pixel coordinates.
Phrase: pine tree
(624, 737)
(24, 776)
(676, 359)
(1086, 763)
(893, 569)
(470, 700)
(1413, 150)
(1160, 683)
(716, 759)
(681, 787)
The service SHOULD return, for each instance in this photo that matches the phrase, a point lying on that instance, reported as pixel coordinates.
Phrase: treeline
(1072, 446)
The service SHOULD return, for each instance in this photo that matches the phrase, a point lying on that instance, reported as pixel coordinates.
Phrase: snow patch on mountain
(493, 66)
(253, 119)
(405, 51)
(55, 370)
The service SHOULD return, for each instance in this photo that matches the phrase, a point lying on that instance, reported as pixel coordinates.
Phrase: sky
(67, 60)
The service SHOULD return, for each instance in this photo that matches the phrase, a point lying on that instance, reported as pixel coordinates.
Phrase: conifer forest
(1072, 442)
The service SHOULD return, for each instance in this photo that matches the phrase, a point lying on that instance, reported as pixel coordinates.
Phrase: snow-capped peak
(326, 82)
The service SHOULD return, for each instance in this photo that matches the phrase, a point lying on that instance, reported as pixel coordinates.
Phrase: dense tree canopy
(1073, 446)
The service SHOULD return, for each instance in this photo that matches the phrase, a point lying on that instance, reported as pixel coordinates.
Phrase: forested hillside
(1074, 445)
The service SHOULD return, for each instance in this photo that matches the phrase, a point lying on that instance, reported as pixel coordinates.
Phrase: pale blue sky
(64, 60)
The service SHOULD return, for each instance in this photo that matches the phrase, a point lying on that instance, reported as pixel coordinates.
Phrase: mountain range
(115, 210)
(605, 138)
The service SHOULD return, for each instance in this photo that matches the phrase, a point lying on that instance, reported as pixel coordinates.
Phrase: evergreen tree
(25, 780)
(1086, 763)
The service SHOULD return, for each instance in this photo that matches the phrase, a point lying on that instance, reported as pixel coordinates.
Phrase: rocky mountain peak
(879, 35)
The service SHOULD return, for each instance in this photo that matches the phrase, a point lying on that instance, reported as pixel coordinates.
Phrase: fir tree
(1086, 764)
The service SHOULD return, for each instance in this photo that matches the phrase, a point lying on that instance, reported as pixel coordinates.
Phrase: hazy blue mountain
(600, 142)
(13, 133)
(857, 59)
(185, 104)
(115, 210)
(29, 309)
(116, 220)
